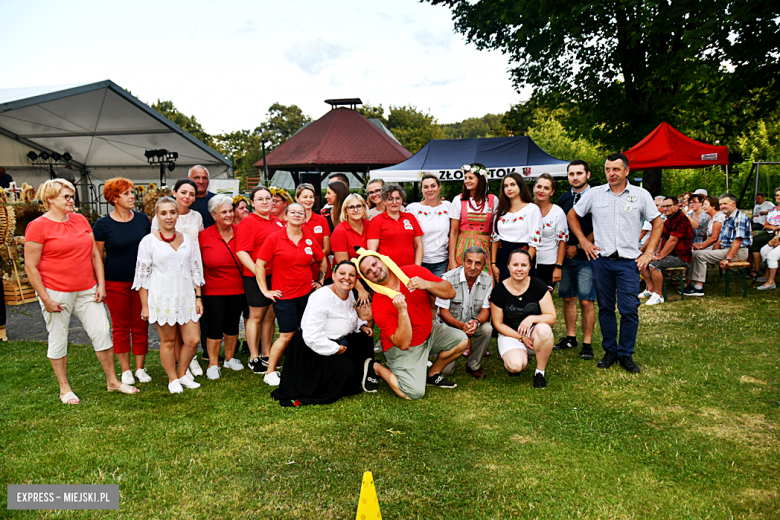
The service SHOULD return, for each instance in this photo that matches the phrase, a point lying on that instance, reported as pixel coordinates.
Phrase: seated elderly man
(402, 310)
(469, 310)
(674, 250)
(733, 244)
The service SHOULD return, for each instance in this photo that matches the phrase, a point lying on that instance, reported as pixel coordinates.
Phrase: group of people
(700, 230)
(437, 278)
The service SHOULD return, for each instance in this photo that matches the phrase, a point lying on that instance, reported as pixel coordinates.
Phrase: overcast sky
(227, 61)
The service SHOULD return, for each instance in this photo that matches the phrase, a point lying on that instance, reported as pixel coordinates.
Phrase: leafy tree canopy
(412, 127)
(281, 124)
(707, 68)
(187, 123)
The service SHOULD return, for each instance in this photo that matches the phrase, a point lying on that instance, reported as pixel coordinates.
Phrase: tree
(628, 65)
(282, 123)
(489, 125)
(373, 112)
(187, 123)
(412, 127)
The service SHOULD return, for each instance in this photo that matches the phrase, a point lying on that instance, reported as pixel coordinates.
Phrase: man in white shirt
(760, 211)
(469, 310)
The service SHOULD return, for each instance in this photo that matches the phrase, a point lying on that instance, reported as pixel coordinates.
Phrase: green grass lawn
(694, 436)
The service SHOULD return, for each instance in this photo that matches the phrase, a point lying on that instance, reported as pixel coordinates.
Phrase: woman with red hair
(117, 235)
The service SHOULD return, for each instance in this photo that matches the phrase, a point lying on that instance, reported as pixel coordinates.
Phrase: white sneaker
(654, 299)
(272, 378)
(142, 376)
(212, 372)
(186, 382)
(233, 364)
(645, 294)
(195, 367)
(175, 387)
(127, 378)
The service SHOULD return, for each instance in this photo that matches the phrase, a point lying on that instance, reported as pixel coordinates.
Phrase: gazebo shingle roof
(343, 138)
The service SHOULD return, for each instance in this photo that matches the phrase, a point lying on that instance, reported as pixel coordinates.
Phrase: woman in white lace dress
(189, 222)
(168, 276)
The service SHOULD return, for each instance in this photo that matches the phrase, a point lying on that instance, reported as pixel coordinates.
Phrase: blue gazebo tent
(501, 155)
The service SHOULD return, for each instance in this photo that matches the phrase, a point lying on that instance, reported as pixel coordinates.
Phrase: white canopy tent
(102, 126)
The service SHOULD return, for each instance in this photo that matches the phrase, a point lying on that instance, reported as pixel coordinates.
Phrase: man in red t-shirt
(674, 250)
(408, 333)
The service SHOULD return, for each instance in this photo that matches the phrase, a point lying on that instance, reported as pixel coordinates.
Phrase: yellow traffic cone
(368, 505)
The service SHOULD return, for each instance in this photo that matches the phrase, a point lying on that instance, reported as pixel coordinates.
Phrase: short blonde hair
(354, 197)
(51, 190)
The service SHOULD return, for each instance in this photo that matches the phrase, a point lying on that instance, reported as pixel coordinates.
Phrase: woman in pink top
(65, 269)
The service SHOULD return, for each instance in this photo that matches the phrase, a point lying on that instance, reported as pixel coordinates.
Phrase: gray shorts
(667, 262)
(411, 366)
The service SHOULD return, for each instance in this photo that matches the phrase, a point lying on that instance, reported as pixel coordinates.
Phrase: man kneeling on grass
(402, 310)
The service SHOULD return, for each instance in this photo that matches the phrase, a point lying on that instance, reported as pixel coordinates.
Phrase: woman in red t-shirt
(252, 232)
(395, 234)
(351, 233)
(315, 224)
(223, 293)
(65, 269)
(296, 250)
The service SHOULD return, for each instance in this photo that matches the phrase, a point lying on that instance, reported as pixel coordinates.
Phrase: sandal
(752, 274)
(70, 396)
(125, 389)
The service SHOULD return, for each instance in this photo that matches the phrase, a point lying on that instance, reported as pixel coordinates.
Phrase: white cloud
(431, 40)
(312, 56)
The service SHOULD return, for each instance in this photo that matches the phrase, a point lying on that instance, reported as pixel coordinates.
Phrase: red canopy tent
(667, 148)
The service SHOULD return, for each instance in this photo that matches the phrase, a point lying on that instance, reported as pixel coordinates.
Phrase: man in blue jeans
(618, 210)
(576, 273)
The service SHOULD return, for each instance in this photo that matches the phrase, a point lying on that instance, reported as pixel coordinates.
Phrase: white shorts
(505, 344)
(91, 314)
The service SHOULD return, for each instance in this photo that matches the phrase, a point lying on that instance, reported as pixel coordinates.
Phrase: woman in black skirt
(327, 357)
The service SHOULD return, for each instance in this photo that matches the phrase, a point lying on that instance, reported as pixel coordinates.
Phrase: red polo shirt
(317, 225)
(417, 302)
(396, 237)
(220, 263)
(293, 273)
(345, 238)
(252, 232)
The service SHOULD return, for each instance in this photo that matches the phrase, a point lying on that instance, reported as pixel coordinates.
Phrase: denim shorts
(437, 268)
(581, 273)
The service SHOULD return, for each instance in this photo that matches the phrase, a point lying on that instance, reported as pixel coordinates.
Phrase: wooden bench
(738, 268)
(671, 273)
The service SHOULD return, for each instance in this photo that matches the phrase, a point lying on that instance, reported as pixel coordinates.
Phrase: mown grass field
(694, 436)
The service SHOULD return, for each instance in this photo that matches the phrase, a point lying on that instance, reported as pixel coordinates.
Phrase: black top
(518, 308)
(121, 244)
(201, 205)
(566, 202)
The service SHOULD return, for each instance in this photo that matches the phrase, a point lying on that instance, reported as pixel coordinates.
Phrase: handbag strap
(241, 271)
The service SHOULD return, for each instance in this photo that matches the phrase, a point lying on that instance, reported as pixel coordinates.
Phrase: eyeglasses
(296, 213)
(354, 208)
(395, 199)
(266, 199)
(374, 192)
(69, 197)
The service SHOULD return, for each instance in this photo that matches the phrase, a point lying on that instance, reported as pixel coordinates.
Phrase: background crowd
(439, 278)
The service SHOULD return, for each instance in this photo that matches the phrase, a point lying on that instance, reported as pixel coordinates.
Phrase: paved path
(25, 323)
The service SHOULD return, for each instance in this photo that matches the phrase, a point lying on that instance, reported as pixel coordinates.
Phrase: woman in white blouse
(433, 215)
(517, 225)
(328, 356)
(168, 276)
(555, 232)
(188, 221)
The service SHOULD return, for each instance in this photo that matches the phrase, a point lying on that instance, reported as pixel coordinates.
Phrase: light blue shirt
(617, 218)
